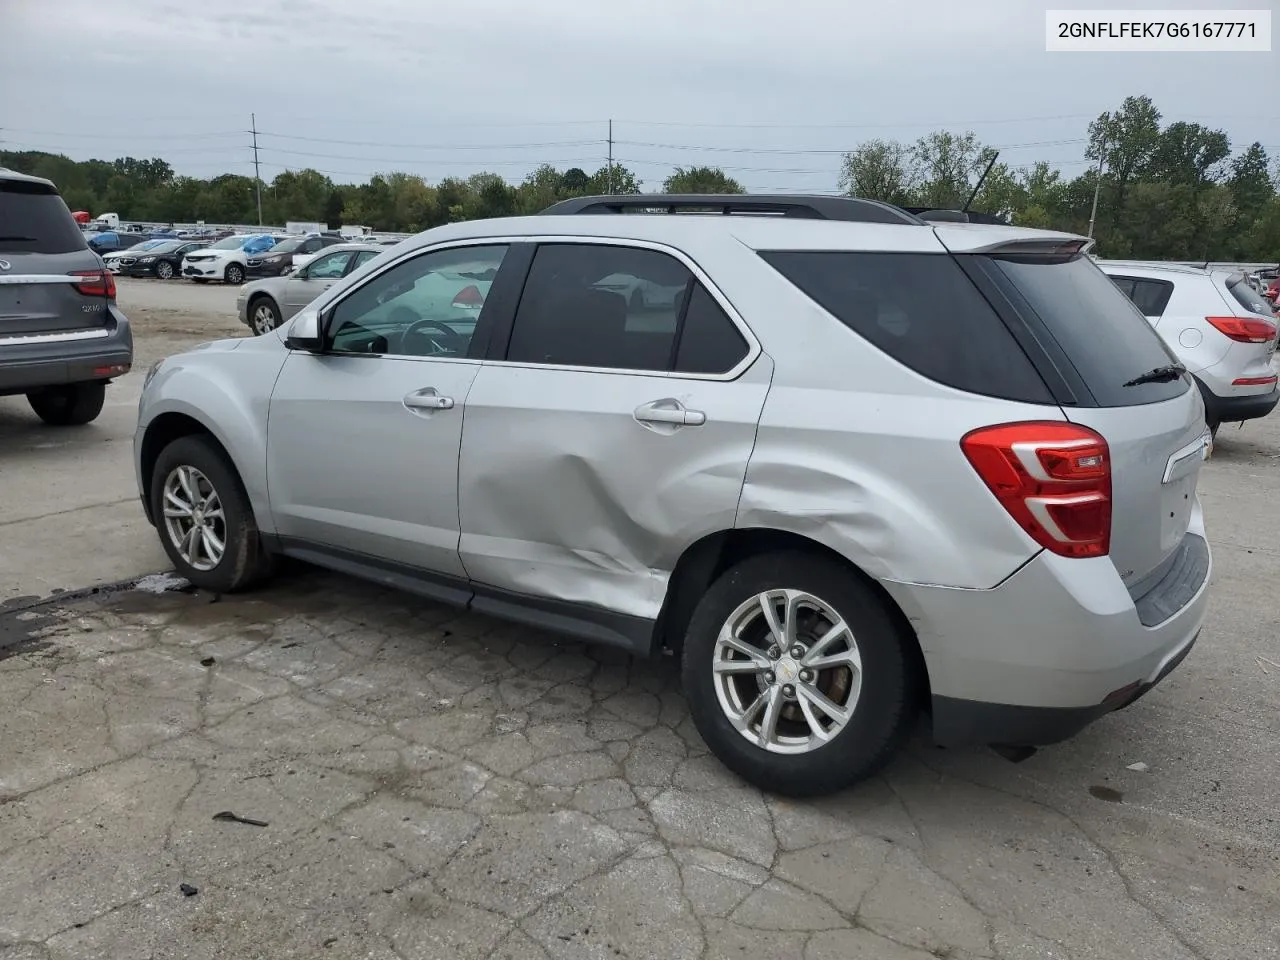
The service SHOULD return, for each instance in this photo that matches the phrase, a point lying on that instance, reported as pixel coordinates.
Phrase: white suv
(863, 464)
(1217, 325)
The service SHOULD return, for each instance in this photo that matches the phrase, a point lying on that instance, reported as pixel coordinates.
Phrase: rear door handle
(427, 399)
(671, 411)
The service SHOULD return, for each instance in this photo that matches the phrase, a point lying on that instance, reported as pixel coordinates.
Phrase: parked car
(834, 502)
(112, 260)
(110, 241)
(163, 261)
(62, 337)
(1218, 329)
(289, 254)
(264, 304)
(227, 259)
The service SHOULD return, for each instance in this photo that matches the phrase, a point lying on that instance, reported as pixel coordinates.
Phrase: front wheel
(234, 274)
(164, 270)
(798, 677)
(69, 406)
(264, 316)
(204, 518)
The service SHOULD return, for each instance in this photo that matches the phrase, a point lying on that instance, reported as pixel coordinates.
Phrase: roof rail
(804, 206)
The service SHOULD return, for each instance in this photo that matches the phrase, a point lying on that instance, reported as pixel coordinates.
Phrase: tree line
(1167, 191)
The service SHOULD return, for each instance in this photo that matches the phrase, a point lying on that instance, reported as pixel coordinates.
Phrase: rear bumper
(1235, 408)
(958, 721)
(1056, 645)
(48, 363)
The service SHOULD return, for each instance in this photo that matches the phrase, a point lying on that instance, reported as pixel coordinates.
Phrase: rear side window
(1099, 329)
(34, 219)
(1248, 298)
(923, 311)
(1149, 296)
(621, 308)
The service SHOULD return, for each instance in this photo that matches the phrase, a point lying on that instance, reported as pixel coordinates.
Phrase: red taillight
(1253, 381)
(1245, 329)
(96, 283)
(1054, 479)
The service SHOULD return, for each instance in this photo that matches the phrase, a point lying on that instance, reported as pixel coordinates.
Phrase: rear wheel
(164, 270)
(204, 518)
(70, 405)
(797, 675)
(264, 316)
(234, 274)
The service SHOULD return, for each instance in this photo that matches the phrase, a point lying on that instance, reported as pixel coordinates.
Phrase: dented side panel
(564, 493)
(881, 479)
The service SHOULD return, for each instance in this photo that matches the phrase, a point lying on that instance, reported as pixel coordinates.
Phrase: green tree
(880, 170)
(1250, 179)
(948, 167)
(616, 180)
(701, 180)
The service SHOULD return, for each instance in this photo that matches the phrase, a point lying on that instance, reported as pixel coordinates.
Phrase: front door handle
(427, 399)
(671, 411)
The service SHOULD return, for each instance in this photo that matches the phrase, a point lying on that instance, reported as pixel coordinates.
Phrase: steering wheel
(448, 342)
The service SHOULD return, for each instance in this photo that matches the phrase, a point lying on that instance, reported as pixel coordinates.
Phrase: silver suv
(862, 464)
(62, 337)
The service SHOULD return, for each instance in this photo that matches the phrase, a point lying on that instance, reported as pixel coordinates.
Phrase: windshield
(150, 244)
(1102, 333)
(163, 246)
(230, 243)
(288, 246)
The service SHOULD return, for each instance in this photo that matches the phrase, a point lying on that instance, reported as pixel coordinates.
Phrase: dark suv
(62, 337)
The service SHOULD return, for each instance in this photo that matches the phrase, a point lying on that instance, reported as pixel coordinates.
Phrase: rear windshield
(923, 311)
(1105, 337)
(1248, 297)
(33, 219)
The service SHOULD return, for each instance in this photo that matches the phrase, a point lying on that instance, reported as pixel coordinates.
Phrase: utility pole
(611, 157)
(1097, 185)
(257, 178)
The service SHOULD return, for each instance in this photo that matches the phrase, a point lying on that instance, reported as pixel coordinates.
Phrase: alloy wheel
(193, 518)
(787, 671)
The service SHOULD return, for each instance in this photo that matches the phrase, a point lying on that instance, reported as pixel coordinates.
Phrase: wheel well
(703, 562)
(161, 432)
(258, 298)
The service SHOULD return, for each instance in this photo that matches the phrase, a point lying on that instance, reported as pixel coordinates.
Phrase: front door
(363, 438)
(314, 279)
(612, 432)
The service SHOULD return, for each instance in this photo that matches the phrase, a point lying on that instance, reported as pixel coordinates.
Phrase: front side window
(424, 307)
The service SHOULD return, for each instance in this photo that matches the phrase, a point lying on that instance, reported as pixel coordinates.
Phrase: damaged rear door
(608, 430)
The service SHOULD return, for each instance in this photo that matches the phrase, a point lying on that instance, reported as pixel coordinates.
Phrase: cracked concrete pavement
(444, 785)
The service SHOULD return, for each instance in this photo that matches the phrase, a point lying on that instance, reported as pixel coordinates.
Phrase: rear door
(1153, 422)
(48, 285)
(603, 435)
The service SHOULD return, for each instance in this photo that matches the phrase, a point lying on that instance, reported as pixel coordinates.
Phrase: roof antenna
(981, 180)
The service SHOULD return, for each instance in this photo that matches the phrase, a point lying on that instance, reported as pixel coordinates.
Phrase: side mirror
(305, 333)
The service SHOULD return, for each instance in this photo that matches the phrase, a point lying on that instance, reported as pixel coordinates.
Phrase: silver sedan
(265, 304)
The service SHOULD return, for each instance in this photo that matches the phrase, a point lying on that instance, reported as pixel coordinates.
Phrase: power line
(436, 146)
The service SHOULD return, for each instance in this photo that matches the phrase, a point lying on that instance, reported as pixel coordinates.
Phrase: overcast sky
(770, 90)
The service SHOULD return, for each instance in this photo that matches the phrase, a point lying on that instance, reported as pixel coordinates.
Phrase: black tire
(164, 270)
(234, 274)
(244, 562)
(887, 702)
(69, 406)
(264, 315)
